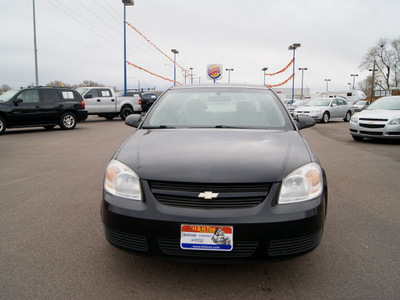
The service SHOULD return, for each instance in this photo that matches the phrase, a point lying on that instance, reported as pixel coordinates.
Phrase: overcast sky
(83, 40)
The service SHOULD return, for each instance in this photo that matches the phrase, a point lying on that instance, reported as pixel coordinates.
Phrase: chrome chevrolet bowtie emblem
(208, 195)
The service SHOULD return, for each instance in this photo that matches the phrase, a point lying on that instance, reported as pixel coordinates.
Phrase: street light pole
(191, 75)
(129, 3)
(35, 46)
(175, 52)
(264, 69)
(229, 74)
(293, 47)
(327, 81)
(302, 76)
(373, 79)
(354, 78)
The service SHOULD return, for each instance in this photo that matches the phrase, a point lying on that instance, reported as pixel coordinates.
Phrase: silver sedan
(380, 120)
(324, 109)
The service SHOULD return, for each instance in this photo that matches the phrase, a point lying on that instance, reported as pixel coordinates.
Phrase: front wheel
(68, 121)
(347, 117)
(126, 111)
(325, 117)
(2, 125)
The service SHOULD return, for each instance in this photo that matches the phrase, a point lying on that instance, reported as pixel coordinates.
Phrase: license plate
(206, 237)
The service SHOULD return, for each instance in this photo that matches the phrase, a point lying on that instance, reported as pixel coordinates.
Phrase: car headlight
(395, 122)
(304, 183)
(121, 181)
(316, 111)
(354, 120)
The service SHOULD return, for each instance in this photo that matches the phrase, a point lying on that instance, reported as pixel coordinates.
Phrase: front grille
(294, 246)
(372, 119)
(371, 132)
(229, 195)
(240, 250)
(372, 125)
(126, 240)
(393, 133)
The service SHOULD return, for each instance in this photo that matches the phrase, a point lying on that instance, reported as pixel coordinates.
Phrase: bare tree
(377, 57)
(396, 61)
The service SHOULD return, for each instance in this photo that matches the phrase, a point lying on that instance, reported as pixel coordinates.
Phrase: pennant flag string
(157, 48)
(291, 76)
(140, 68)
(283, 70)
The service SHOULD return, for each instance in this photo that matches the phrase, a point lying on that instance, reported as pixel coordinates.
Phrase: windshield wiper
(226, 126)
(158, 127)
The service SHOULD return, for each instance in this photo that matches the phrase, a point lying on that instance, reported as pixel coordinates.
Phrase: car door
(27, 108)
(343, 107)
(51, 105)
(335, 109)
(107, 100)
(92, 101)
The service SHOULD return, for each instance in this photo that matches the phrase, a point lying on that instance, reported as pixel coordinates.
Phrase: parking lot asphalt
(53, 246)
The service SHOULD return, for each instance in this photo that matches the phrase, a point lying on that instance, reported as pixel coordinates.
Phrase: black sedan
(215, 173)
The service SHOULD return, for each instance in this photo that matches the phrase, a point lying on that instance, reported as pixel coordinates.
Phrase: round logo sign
(214, 72)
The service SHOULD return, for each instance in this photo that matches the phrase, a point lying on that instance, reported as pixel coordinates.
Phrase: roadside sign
(214, 72)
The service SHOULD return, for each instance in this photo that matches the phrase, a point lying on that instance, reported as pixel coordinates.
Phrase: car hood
(210, 155)
(379, 113)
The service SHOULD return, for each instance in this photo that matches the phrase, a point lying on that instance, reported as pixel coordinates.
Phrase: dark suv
(41, 106)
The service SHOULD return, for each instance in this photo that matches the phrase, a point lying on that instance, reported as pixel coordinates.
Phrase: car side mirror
(133, 120)
(88, 96)
(304, 122)
(18, 100)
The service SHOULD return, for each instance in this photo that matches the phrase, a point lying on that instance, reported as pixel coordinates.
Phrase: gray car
(324, 109)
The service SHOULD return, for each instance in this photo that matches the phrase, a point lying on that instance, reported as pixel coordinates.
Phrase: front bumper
(266, 230)
(375, 129)
(316, 116)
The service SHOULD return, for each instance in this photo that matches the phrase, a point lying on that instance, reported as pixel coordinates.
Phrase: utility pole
(35, 46)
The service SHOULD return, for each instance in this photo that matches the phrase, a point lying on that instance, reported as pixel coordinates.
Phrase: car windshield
(8, 95)
(388, 103)
(319, 102)
(300, 102)
(82, 90)
(219, 108)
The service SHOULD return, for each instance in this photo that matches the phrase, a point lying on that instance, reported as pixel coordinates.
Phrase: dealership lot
(53, 246)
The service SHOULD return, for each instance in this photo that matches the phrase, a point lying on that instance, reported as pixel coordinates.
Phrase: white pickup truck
(102, 101)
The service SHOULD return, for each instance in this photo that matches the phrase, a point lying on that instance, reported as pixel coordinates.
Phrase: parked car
(380, 120)
(360, 105)
(216, 172)
(148, 100)
(41, 106)
(292, 106)
(324, 109)
(104, 102)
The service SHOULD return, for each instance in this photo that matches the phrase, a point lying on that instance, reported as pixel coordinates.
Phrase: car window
(219, 108)
(49, 95)
(335, 101)
(93, 93)
(29, 96)
(104, 93)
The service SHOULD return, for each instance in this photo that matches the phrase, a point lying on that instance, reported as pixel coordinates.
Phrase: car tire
(109, 117)
(357, 138)
(49, 127)
(2, 125)
(68, 121)
(126, 111)
(347, 117)
(325, 117)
